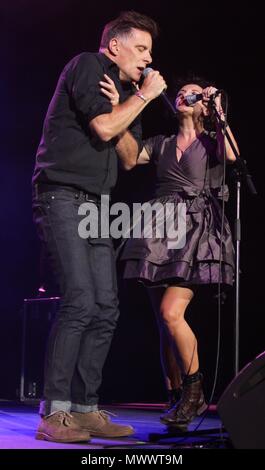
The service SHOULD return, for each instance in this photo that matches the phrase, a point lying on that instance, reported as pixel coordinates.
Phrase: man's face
(133, 54)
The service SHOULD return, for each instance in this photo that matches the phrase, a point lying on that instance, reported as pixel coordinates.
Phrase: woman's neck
(189, 129)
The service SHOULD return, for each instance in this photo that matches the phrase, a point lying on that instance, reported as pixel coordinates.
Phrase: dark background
(222, 42)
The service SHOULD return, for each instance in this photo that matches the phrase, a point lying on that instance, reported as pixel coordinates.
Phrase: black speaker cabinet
(38, 315)
(242, 406)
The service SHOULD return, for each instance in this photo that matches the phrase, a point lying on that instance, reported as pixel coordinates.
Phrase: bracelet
(140, 95)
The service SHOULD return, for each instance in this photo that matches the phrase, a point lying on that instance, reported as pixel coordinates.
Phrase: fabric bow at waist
(198, 199)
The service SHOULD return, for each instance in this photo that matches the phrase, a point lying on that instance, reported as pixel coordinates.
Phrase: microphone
(189, 100)
(163, 95)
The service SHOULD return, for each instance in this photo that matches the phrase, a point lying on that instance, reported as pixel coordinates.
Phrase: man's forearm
(112, 124)
(127, 149)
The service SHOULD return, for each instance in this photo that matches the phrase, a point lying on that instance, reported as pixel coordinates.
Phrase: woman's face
(194, 110)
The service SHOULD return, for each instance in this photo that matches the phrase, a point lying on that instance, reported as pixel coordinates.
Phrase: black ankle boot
(191, 404)
(174, 397)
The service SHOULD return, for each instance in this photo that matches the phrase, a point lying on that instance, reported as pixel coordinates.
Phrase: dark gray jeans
(82, 332)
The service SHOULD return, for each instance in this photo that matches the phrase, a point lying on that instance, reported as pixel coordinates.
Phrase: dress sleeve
(153, 146)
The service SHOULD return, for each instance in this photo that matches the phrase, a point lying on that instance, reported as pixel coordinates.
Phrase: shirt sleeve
(136, 130)
(83, 79)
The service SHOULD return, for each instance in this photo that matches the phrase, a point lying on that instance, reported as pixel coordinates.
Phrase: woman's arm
(126, 145)
(223, 146)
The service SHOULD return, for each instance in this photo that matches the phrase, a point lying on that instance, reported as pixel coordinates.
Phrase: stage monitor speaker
(38, 315)
(242, 406)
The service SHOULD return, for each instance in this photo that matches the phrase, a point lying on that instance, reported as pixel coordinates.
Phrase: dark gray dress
(195, 180)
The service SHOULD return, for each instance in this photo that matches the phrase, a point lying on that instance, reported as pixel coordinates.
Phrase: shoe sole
(45, 437)
(199, 412)
(96, 434)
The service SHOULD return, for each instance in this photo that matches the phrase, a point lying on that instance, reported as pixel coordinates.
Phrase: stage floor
(18, 422)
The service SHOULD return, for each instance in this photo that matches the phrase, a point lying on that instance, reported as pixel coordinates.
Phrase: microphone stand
(240, 173)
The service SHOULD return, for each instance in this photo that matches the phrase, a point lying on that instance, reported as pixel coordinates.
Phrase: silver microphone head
(189, 100)
(146, 71)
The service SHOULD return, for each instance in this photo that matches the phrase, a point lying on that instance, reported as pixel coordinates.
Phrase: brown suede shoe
(61, 426)
(98, 424)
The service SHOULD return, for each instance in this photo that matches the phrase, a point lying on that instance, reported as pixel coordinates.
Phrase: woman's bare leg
(172, 309)
(171, 369)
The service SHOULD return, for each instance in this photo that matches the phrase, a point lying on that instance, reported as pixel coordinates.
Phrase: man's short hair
(123, 25)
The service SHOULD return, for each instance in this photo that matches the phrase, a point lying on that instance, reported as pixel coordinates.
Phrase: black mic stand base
(216, 439)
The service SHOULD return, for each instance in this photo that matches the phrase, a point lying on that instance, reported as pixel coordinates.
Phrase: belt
(40, 188)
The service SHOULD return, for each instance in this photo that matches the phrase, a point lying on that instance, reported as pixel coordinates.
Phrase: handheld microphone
(189, 100)
(163, 95)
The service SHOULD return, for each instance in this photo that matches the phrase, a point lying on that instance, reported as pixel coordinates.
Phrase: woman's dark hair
(123, 25)
(191, 78)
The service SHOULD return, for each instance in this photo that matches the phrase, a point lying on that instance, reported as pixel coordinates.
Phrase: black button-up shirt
(69, 154)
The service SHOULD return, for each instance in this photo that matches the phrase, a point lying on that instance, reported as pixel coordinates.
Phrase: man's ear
(114, 46)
